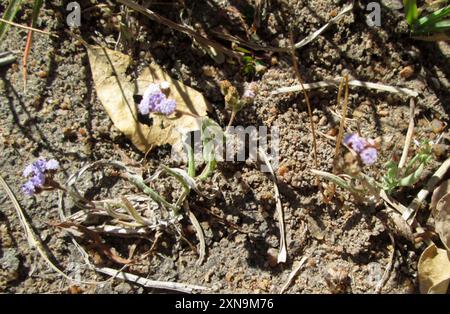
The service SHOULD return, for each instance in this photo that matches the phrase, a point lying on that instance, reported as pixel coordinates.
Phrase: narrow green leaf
(240, 49)
(411, 11)
(413, 178)
(439, 26)
(433, 17)
(37, 6)
(9, 15)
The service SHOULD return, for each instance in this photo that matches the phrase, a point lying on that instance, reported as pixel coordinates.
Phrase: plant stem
(139, 182)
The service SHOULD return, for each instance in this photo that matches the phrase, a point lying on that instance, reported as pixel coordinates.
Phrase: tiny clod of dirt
(58, 115)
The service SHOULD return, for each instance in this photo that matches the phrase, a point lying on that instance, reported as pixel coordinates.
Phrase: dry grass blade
(391, 202)
(160, 19)
(33, 239)
(26, 53)
(344, 116)
(165, 285)
(282, 255)
(308, 103)
(36, 9)
(409, 134)
(293, 274)
(245, 43)
(414, 206)
(121, 231)
(97, 241)
(28, 28)
(201, 236)
(335, 82)
(348, 8)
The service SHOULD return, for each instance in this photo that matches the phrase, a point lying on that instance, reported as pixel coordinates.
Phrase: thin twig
(348, 8)
(335, 82)
(26, 53)
(409, 134)
(246, 43)
(166, 285)
(308, 103)
(165, 21)
(388, 269)
(28, 28)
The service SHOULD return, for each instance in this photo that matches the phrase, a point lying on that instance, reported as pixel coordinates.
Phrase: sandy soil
(59, 116)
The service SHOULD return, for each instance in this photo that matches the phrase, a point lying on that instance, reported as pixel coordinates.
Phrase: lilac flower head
(151, 89)
(38, 179)
(363, 147)
(52, 164)
(40, 169)
(154, 100)
(356, 142)
(28, 188)
(369, 156)
(248, 93)
(167, 107)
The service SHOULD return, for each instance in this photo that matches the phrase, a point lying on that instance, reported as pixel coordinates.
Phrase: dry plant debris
(115, 90)
(434, 270)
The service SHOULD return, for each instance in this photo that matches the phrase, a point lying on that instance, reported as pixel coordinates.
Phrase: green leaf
(434, 17)
(9, 15)
(339, 182)
(247, 59)
(413, 178)
(439, 26)
(411, 11)
(211, 134)
(240, 49)
(37, 6)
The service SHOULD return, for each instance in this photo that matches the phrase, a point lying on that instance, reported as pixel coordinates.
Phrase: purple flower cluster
(154, 100)
(39, 170)
(364, 148)
(250, 93)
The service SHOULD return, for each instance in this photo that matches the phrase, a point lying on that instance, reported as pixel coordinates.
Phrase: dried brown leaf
(434, 270)
(439, 192)
(115, 91)
(394, 222)
(442, 219)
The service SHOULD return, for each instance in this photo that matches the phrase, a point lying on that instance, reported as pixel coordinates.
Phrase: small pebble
(440, 150)
(407, 72)
(65, 106)
(274, 61)
(323, 121)
(332, 132)
(437, 126)
(435, 83)
(272, 257)
(42, 74)
(383, 113)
